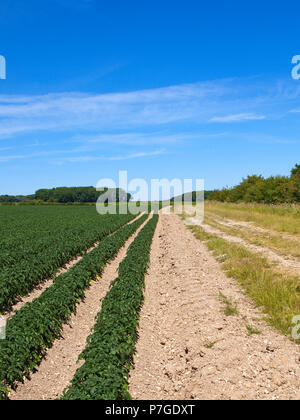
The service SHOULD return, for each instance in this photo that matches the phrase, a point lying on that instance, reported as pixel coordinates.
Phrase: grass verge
(281, 218)
(274, 241)
(278, 293)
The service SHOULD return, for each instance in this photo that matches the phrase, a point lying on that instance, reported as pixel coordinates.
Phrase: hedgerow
(110, 349)
(257, 189)
(33, 329)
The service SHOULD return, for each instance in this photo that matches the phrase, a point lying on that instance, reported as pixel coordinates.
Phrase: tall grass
(275, 241)
(278, 293)
(282, 218)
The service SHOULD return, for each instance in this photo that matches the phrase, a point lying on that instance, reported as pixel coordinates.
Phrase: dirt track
(188, 348)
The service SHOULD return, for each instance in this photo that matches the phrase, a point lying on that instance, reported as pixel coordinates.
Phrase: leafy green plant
(211, 344)
(33, 329)
(36, 241)
(252, 331)
(110, 349)
(257, 189)
(229, 309)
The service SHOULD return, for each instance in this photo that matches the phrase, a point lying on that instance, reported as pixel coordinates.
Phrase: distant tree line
(257, 189)
(69, 195)
(15, 198)
(190, 197)
(254, 188)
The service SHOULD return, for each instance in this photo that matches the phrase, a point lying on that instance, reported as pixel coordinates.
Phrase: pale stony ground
(183, 315)
(58, 368)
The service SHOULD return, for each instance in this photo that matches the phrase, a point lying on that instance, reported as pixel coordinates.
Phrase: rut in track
(253, 227)
(287, 263)
(247, 225)
(188, 348)
(58, 368)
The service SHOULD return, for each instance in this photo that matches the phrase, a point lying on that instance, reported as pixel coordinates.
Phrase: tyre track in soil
(290, 263)
(182, 316)
(46, 283)
(60, 364)
(252, 227)
(247, 227)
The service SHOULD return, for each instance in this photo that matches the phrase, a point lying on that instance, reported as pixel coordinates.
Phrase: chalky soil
(188, 348)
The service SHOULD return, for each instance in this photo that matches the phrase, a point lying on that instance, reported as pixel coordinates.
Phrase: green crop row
(27, 258)
(110, 349)
(33, 329)
(27, 231)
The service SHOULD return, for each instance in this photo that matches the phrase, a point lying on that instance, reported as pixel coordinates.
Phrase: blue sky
(162, 89)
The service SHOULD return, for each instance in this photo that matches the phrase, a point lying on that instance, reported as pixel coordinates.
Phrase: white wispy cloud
(86, 123)
(63, 156)
(94, 158)
(237, 118)
(198, 103)
(138, 155)
(134, 138)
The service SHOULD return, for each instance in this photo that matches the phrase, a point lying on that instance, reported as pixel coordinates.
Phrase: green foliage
(252, 331)
(80, 195)
(36, 241)
(229, 309)
(190, 197)
(270, 288)
(110, 349)
(33, 329)
(15, 198)
(272, 190)
(67, 195)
